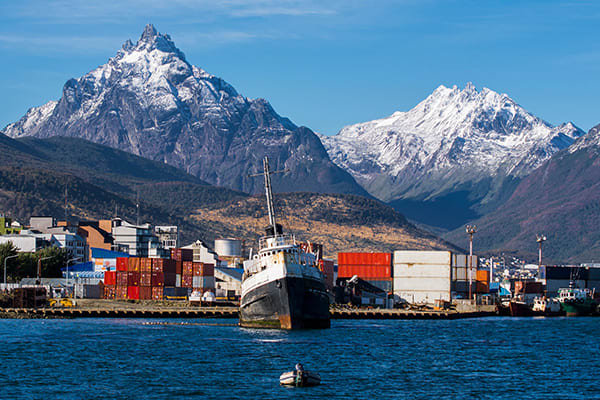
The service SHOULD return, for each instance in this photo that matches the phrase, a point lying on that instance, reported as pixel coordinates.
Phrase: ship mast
(269, 192)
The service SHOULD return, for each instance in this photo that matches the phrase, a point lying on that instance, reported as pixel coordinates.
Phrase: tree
(6, 250)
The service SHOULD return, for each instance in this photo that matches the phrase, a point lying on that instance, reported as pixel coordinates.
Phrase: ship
(576, 302)
(282, 286)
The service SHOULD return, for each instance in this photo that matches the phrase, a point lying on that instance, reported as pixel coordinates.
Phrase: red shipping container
(186, 281)
(188, 268)
(145, 265)
(157, 293)
(122, 278)
(365, 259)
(182, 254)
(178, 267)
(110, 277)
(134, 264)
(169, 267)
(158, 264)
(145, 293)
(133, 292)
(121, 293)
(202, 269)
(145, 278)
(133, 278)
(365, 271)
(158, 279)
(122, 263)
(109, 292)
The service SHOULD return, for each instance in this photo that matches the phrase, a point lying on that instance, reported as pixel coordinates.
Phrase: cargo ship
(282, 286)
(576, 302)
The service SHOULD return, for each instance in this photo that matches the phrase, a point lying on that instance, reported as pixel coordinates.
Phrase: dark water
(495, 358)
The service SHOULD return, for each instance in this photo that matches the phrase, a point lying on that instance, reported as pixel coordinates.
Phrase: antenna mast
(269, 193)
(137, 205)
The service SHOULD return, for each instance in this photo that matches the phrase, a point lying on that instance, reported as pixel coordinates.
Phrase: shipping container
(133, 292)
(145, 265)
(179, 267)
(327, 268)
(157, 293)
(133, 278)
(380, 259)
(422, 257)
(177, 280)
(203, 282)
(158, 279)
(110, 292)
(110, 278)
(186, 281)
(202, 269)
(145, 293)
(122, 278)
(121, 293)
(528, 287)
(182, 254)
(365, 271)
(483, 275)
(134, 264)
(122, 263)
(188, 268)
(170, 279)
(146, 279)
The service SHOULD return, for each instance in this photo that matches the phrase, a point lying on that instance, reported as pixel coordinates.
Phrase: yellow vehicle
(64, 302)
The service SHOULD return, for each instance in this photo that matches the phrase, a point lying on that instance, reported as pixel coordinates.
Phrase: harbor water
(495, 358)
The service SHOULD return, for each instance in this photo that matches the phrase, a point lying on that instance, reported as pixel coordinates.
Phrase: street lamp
(68, 261)
(471, 229)
(6, 258)
(39, 269)
(540, 239)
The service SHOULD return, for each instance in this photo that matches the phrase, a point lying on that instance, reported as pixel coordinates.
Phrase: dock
(224, 312)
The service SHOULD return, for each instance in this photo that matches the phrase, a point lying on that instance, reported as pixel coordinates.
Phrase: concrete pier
(222, 312)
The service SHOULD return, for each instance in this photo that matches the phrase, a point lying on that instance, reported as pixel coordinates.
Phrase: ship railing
(276, 241)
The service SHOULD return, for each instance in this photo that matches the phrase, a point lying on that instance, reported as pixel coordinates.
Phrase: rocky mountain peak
(148, 100)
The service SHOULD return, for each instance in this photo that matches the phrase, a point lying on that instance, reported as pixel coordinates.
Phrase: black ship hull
(287, 303)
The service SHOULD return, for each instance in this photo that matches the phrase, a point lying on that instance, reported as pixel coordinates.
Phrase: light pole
(471, 229)
(6, 258)
(39, 271)
(68, 261)
(540, 239)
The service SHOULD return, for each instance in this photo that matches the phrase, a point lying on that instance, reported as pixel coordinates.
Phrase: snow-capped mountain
(466, 143)
(150, 101)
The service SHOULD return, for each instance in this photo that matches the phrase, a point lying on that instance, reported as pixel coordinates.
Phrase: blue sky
(323, 64)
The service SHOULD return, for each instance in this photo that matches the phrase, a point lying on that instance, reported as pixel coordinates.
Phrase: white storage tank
(228, 247)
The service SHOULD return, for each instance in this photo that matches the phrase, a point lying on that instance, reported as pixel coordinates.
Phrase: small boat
(576, 302)
(519, 308)
(300, 378)
(546, 307)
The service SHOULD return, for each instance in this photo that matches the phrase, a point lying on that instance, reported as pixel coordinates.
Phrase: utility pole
(66, 204)
(137, 205)
(471, 229)
(540, 239)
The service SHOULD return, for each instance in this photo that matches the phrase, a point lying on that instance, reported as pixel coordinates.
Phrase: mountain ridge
(150, 101)
(477, 142)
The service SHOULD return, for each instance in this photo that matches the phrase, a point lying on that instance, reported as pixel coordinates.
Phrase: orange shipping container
(157, 293)
(134, 264)
(365, 259)
(366, 272)
(145, 278)
(145, 265)
(145, 293)
(483, 275)
(121, 293)
(188, 268)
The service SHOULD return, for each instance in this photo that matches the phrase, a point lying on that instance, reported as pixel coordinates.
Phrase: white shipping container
(422, 257)
(459, 260)
(421, 271)
(203, 282)
(415, 297)
(177, 280)
(422, 284)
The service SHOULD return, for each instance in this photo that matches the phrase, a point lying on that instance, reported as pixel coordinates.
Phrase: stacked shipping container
(375, 268)
(146, 278)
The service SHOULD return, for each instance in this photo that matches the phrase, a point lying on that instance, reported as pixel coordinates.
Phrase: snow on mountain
(453, 140)
(149, 100)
